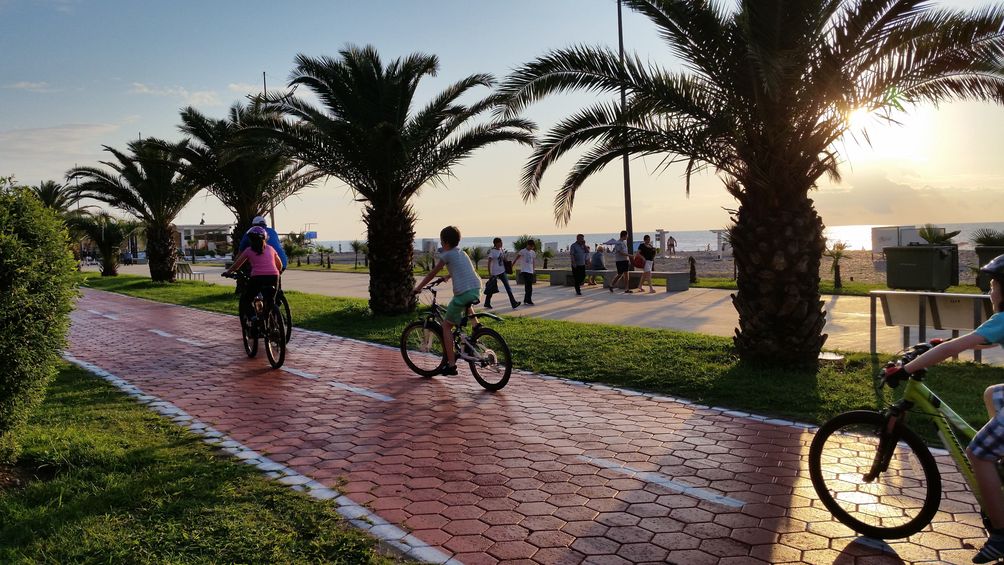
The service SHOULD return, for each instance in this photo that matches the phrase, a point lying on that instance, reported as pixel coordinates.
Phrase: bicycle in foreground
(269, 326)
(877, 476)
(485, 350)
(280, 300)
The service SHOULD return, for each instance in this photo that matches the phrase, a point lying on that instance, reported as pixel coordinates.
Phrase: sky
(76, 75)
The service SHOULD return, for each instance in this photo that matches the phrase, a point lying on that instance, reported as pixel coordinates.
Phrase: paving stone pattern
(546, 471)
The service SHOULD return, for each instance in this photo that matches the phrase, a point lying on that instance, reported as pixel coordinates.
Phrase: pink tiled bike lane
(545, 471)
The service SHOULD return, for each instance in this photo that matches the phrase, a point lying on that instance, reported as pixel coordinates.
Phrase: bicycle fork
(888, 438)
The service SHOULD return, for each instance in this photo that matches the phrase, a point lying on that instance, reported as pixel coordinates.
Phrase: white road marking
(357, 515)
(161, 333)
(94, 312)
(664, 481)
(354, 389)
(110, 316)
(191, 342)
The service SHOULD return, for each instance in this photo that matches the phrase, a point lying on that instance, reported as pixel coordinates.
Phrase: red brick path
(545, 471)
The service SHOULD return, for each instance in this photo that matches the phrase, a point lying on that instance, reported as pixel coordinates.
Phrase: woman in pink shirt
(265, 268)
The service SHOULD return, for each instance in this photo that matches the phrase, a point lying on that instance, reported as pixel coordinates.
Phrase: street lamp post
(627, 171)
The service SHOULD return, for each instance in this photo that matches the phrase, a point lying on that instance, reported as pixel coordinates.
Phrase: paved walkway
(545, 471)
(701, 310)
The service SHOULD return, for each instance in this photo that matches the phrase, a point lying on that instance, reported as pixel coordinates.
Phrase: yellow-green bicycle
(876, 475)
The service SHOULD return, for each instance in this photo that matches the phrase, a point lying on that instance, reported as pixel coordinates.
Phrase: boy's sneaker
(449, 370)
(993, 550)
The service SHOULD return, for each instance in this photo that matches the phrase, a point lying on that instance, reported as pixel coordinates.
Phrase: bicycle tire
(421, 344)
(850, 441)
(275, 339)
(250, 342)
(494, 367)
(287, 316)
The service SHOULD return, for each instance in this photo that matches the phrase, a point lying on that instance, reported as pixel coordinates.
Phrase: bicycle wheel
(492, 362)
(900, 502)
(422, 347)
(287, 316)
(250, 337)
(275, 339)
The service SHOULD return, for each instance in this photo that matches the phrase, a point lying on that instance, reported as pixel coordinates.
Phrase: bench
(940, 310)
(675, 280)
(559, 277)
(184, 269)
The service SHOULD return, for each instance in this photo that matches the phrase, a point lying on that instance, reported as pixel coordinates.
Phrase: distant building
(210, 237)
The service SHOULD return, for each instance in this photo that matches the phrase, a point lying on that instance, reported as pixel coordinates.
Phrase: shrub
(37, 283)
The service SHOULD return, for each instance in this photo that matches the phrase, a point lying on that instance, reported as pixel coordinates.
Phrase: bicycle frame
(917, 396)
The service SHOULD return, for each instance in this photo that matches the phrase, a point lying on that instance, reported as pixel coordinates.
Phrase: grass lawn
(123, 485)
(693, 366)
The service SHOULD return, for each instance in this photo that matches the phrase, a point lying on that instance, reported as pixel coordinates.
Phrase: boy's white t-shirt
(495, 265)
(527, 257)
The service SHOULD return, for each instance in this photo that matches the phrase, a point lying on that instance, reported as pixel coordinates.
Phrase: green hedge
(37, 283)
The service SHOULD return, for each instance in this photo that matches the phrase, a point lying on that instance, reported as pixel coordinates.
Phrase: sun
(870, 137)
(859, 118)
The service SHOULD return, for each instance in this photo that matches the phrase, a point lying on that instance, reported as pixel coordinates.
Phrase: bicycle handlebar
(892, 372)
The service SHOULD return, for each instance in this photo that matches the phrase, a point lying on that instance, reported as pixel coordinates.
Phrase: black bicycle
(280, 301)
(261, 324)
(485, 350)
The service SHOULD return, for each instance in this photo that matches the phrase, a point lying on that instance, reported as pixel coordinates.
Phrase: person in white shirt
(496, 273)
(526, 275)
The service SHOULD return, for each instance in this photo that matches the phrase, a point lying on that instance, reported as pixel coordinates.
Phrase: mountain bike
(280, 300)
(267, 325)
(878, 477)
(485, 350)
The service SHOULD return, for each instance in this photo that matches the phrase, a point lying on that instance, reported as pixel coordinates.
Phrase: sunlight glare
(907, 142)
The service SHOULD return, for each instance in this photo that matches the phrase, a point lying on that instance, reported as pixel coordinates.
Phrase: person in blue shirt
(987, 448)
(273, 240)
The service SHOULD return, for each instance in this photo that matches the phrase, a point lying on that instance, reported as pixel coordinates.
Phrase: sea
(857, 237)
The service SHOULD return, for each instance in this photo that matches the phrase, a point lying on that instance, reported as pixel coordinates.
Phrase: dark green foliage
(36, 296)
(522, 240)
(127, 486)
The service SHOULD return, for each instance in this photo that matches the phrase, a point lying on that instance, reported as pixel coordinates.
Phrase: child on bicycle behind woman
(466, 289)
(987, 448)
(265, 267)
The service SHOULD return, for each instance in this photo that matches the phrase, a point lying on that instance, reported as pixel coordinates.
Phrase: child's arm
(944, 351)
(277, 261)
(237, 264)
(432, 273)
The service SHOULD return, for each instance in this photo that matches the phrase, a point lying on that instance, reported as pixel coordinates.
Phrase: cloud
(31, 86)
(48, 152)
(244, 88)
(193, 98)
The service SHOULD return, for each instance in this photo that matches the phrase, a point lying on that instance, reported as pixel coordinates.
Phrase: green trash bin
(919, 267)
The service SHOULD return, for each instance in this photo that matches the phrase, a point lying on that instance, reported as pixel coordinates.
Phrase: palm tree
(107, 232)
(249, 177)
(59, 197)
(546, 255)
(476, 253)
(837, 252)
(147, 184)
(368, 134)
(357, 247)
(764, 99)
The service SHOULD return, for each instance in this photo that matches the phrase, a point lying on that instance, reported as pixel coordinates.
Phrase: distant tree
(837, 252)
(56, 196)
(368, 134)
(108, 234)
(357, 247)
(476, 253)
(522, 240)
(546, 255)
(147, 183)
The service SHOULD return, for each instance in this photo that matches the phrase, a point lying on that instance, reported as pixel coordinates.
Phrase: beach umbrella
(611, 241)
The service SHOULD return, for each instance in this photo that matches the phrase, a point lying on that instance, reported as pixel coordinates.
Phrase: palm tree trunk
(777, 254)
(160, 252)
(391, 233)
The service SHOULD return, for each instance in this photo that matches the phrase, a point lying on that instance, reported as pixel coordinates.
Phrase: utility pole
(271, 211)
(627, 170)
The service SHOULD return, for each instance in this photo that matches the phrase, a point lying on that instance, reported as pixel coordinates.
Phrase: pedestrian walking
(647, 251)
(623, 261)
(497, 273)
(524, 259)
(578, 255)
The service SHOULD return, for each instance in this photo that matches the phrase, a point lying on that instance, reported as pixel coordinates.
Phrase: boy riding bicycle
(987, 448)
(466, 289)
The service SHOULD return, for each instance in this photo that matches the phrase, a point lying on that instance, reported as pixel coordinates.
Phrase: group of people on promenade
(645, 259)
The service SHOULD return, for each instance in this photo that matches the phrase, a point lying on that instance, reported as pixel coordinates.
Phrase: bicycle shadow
(863, 546)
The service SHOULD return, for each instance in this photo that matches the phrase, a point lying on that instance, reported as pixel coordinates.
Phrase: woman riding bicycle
(265, 268)
(987, 448)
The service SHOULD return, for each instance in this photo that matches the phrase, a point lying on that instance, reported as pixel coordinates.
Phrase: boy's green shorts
(455, 309)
